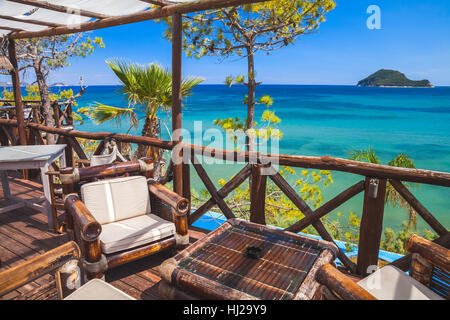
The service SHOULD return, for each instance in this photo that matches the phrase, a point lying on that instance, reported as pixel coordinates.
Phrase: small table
(243, 260)
(29, 157)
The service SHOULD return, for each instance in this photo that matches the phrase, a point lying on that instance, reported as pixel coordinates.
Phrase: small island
(58, 84)
(392, 78)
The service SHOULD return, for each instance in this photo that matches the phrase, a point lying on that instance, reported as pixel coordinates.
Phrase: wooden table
(29, 157)
(218, 266)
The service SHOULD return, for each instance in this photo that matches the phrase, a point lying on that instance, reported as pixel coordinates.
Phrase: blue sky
(414, 39)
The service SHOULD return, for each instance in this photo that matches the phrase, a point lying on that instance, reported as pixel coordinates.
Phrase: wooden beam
(435, 254)
(177, 33)
(420, 209)
(404, 262)
(306, 210)
(31, 21)
(161, 12)
(211, 188)
(167, 145)
(17, 93)
(38, 266)
(223, 192)
(11, 29)
(341, 284)
(371, 227)
(60, 8)
(329, 163)
(327, 207)
(258, 195)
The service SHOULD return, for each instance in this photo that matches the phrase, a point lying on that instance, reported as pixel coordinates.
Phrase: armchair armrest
(432, 252)
(177, 202)
(180, 207)
(340, 284)
(36, 267)
(90, 228)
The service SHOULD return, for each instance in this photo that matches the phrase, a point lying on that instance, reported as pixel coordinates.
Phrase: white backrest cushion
(116, 199)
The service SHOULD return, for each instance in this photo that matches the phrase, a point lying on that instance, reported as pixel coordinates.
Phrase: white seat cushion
(116, 199)
(97, 289)
(391, 283)
(133, 232)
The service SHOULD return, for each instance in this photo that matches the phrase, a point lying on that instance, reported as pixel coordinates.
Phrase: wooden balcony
(24, 233)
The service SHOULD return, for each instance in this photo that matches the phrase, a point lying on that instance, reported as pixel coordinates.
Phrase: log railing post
(56, 114)
(176, 100)
(371, 224)
(187, 184)
(17, 94)
(258, 195)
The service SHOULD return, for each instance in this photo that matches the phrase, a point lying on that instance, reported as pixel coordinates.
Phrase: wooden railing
(62, 111)
(373, 203)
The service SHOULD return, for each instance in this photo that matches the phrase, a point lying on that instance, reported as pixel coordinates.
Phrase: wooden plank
(420, 209)
(371, 227)
(258, 195)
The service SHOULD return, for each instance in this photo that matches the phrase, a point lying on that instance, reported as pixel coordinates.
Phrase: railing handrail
(310, 162)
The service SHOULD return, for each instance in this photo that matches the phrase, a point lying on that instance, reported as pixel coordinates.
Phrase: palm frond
(101, 113)
(403, 161)
(149, 85)
(367, 155)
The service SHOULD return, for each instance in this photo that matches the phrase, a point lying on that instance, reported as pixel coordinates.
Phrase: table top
(30, 153)
(279, 270)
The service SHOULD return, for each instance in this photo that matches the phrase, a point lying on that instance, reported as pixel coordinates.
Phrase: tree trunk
(151, 129)
(251, 86)
(45, 98)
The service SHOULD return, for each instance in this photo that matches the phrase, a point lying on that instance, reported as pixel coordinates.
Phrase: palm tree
(148, 89)
(392, 196)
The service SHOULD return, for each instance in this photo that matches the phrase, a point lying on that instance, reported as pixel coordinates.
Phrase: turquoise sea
(329, 120)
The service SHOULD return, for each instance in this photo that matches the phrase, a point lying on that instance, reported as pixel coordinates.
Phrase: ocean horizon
(320, 120)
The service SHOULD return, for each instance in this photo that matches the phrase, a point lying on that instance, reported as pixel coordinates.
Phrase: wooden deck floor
(24, 234)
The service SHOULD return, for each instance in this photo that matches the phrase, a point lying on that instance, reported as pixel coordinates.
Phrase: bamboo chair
(429, 277)
(64, 262)
(117, 215)
(57, 202)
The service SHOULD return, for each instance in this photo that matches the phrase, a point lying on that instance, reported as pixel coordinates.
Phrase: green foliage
(280, 211)
(147, 88)
(32, 93)
(392, 196)
(54, 52)
(396, 242)
(367, 155)
(265, 26)
(244, 30)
